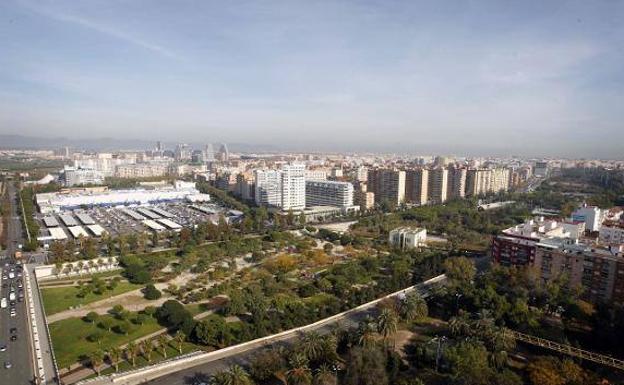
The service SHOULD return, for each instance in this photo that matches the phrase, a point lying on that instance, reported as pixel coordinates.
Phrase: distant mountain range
(108, 144)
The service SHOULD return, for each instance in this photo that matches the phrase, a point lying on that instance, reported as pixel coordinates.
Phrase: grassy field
(59, 299)
(71, 343)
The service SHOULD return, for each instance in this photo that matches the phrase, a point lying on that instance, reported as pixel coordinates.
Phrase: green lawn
(70, 343)
(59, 299)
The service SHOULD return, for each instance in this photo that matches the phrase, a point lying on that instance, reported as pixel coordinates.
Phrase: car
(4, 285)
(20, 298)
(14, 337)
(13, 330)
(7, 365)
(12, 303)
(13, 313)
(4, 276)
(3, 348)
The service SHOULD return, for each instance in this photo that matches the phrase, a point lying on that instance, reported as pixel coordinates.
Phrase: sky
(456, 77)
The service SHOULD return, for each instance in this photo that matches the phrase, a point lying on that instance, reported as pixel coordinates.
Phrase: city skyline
(531, 79)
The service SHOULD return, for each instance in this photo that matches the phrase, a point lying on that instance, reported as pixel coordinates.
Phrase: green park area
(75, 338)
(58, 299)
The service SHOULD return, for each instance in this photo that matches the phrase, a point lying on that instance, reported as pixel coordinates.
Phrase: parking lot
(127, 219)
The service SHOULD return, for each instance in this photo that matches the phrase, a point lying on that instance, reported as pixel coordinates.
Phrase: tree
(148, 349)
(387, 323)
(235, 375)
(96, 336)
(91, 317)
(366, 366)
(469, 363)
(131, 352)
(210, 331)
(114, 356)
(162, 344)
(299, 372)
(106, 323)
(551, 371)
(325, 376)
(413, 307)
(459, 270)
(311, 345)
(96, 359)
(267, 364)
(179, 339)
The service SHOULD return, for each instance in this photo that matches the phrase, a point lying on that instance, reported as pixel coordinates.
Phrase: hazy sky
(518, 76)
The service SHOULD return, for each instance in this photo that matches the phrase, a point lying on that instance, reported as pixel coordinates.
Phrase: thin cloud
(102, 29)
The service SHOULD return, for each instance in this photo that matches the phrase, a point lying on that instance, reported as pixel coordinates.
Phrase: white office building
(407, 237)
(72, 176)
(329, 193)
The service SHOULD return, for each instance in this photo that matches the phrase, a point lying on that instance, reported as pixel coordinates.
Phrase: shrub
(151, 292)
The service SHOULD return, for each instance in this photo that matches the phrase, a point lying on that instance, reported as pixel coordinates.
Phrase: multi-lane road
(18, 352)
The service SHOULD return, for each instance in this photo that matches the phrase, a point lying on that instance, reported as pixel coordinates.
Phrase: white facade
(57, 202)
(72, 176)
(329, 193)
(591, 215)
(612, 234)
(316, 175)
(293, 187)
(407, 237)
(268, 187)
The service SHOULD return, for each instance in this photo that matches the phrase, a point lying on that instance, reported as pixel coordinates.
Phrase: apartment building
(268, 187)
(417, 186)
(387, 185)
(612, 233)
(438, 183)
(552, 250)
(456, 187)
(478, 182)
(142, 170)
(293, 187)
(328, 193)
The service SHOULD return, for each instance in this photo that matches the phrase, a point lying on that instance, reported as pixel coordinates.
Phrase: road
(18, 352)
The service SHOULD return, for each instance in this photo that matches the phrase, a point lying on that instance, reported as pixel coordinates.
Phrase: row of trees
(133, 350)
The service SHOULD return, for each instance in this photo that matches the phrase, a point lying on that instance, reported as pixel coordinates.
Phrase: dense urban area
(187, 265)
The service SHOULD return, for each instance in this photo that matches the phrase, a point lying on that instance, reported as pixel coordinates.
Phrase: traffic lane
(203, 372)
(18, 352)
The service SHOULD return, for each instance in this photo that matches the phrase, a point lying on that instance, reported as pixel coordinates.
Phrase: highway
(18, 352)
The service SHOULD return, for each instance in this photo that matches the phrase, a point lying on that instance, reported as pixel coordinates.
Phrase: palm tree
(366, 332)
(148, 349)
(162, 344)
(80, 267)
(67, 269)
(111, 262)
(96, 359)
(311, 345)
(179, 339)
(101, 263)
(459, 326)
(299, 372)
(325, 376)
(414, 307)
(131, 352)
(235, 375)
(115, 355)
(387, 323)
